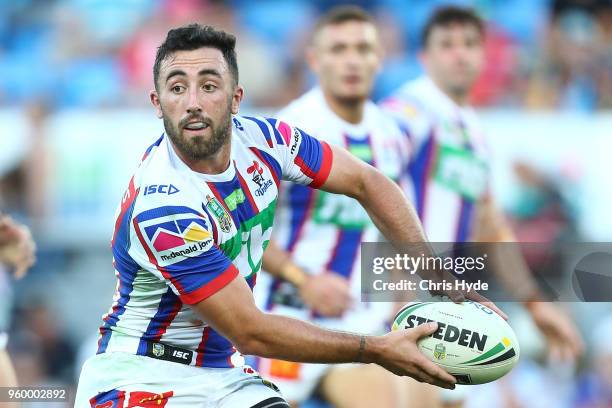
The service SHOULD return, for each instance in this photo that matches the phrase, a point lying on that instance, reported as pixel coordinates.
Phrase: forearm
(290, 339)
(277, 262)
(509, 264)
(513, 272)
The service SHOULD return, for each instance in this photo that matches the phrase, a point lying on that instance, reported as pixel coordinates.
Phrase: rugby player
(189, 239)
(444, 132)
(17, 252)
(315, 252)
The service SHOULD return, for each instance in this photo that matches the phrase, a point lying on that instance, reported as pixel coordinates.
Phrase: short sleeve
(304, 159)
(176, 244)
(411, 118)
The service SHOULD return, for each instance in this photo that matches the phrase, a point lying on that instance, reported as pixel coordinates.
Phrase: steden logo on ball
(472, 343)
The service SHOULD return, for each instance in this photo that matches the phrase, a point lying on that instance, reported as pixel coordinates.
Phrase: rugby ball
(473, 343)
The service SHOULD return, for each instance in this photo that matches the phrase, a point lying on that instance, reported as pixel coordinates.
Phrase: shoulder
(161, 188)
(408, 102)
(302, 110)
(382, 118)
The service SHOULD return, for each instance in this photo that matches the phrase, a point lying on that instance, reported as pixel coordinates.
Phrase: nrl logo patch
(440, 352)
(158, 349)
(224, 219)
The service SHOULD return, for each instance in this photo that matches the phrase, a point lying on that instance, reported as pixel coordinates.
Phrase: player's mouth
(353, 79)
(196, 127)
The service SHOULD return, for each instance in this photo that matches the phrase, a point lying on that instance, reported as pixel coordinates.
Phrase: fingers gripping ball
(472, 342)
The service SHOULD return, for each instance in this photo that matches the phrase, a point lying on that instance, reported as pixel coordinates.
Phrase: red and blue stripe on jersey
(125, 266)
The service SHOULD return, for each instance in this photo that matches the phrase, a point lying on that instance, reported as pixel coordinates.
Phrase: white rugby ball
(473, 343)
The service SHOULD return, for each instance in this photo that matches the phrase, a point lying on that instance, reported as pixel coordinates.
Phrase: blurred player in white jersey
(17, 250)
(189, 239)
(316, 250)
(449, 168)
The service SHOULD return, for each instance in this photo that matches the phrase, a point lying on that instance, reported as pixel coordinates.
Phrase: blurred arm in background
(327, 293)
(563, 339)
(17, 247)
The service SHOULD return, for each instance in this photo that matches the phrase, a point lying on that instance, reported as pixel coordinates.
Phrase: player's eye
(471, 42)
(177, 88)
(337, 48)
(209, 87)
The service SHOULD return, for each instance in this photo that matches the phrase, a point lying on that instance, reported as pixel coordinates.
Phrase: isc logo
(160, 188)
(180, 354)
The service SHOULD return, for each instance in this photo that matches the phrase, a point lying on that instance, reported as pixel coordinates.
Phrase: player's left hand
(459, 296)
(564, 340)
(17, 248)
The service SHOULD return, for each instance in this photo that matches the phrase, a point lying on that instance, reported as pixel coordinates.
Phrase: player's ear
(154, 96)
(380, 53)
(237, 98)
(422, 57)
(311, 58)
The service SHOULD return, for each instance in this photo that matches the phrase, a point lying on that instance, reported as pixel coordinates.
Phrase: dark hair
(342, 14)
(192, 37)
(448, 15)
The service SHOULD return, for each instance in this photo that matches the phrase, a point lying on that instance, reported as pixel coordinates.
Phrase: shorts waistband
(166, 352)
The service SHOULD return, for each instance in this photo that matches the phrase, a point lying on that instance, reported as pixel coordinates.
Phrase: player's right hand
(17, 248)
(401, 356)
(327, 293)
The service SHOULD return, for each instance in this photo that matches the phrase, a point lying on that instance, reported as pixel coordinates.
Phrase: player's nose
(194, 105)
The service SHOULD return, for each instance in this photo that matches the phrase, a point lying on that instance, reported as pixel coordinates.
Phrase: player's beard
(200, 147)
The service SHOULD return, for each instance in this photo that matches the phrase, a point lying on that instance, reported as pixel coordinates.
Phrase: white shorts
(122, 380)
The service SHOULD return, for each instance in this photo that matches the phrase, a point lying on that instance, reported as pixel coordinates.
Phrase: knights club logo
(256, 172)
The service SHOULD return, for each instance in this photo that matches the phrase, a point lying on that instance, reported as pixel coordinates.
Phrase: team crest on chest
(256, 171)
(224, 219)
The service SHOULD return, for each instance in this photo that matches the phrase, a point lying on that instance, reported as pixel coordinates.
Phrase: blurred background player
(450, 165)
(316, 246)
(17, 254)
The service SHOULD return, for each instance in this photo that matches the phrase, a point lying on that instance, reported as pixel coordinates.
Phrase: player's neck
(350, 111)
(215, 164)
(459, 97)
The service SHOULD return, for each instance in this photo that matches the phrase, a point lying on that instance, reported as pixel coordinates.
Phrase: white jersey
(324, 231)
(449, 166)
(180, 236)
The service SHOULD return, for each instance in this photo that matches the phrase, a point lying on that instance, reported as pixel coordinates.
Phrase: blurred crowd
(98, 53)
(57, 55)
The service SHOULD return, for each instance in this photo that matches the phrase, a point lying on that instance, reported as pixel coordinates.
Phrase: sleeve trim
(211, 287)
(326, 163)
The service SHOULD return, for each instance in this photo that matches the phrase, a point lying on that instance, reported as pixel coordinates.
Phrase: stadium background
(75, 118)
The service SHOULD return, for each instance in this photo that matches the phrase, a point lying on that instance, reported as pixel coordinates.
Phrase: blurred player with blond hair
(316, 248)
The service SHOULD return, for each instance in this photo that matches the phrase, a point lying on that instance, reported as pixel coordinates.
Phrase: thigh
(249, 390)
(360, 386)
(296, 381)
(414, 394)
(125, 381)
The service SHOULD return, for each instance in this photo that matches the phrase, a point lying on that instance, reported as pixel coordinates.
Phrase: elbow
(249, 346)
(361, 184)
(250, 340)
(370, 181)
